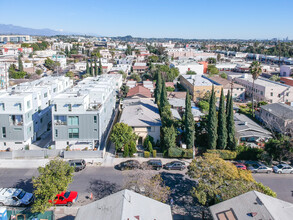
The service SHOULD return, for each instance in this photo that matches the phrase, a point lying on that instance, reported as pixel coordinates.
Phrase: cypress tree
(87, 67)
(222, 125)
(189, 122)
(231, 141)
(66, 51)
(227, 102)
(212, 122)
(92, 69)
(20, 66)
(158, 89)
(96, 68)
(163, 99)
(100, 72)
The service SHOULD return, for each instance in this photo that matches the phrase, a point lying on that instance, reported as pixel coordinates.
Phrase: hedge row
(176, 152)
(224, 154)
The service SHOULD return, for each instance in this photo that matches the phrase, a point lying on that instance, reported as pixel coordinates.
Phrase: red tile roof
(139, 91)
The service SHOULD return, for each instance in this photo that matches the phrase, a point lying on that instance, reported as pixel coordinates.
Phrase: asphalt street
(103, 181)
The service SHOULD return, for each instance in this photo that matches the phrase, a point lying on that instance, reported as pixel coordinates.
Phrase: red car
(65, 198)
(240, 166)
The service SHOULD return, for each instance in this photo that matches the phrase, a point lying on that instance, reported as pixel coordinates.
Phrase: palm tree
(255, 70)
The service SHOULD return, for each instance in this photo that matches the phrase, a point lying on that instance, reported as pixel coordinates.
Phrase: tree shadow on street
(102, 188)
(25, 184)
(68, 217)
(184, 205)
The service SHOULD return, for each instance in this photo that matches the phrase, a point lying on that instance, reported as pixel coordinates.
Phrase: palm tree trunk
(252, 99)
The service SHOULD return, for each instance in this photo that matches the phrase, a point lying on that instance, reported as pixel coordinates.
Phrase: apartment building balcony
(60, 120)
(94, 106)
(16, 120)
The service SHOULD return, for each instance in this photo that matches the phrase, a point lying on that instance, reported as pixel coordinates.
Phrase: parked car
(129, 165)
(15, 197)
(77, 164)
(152, 164)
(175, 165)
(65, 198)
(283, 168)
(260, 169)
(240, 166)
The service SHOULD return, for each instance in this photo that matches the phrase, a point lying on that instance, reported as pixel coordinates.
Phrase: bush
(27, 147)
(146, 142)
(188, 153)
(224, 154)
(146, 154)
(126, 151)
(150, 147)
(154, 153)
(248, 153)
(175, 152)
(132, 149)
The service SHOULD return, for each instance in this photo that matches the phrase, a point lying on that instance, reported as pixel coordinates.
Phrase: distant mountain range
(12, 29)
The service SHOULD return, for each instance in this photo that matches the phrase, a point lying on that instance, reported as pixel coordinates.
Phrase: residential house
(139, 91)
(142, 114)
(287, 80)
(140, 68)
(252, 205)
(200, 86)
(277, 116)
(285, 70)
(188, 65)
(125, 204)
(249, 131)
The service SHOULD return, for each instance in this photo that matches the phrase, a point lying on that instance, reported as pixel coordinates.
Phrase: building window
(3, 132)
(272, 94)
(73, 132)
(56, 133)
(95, 119)
(2, 106)
(60, 120)
(73, 120)
(55, 107)
(45, 95)
(69, 107)
(150, 129)
(28, 104)
(19, 106)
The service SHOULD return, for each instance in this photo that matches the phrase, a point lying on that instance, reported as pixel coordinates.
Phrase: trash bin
(3, 213)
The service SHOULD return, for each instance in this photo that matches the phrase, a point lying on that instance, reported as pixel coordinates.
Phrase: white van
(15, 197)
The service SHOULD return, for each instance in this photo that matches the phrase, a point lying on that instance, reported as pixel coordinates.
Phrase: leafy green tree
(135, 77)
(121, 135)
(53, 179)
(20, 65)
(39, 72)
(70, 74)
(189, 72)
(11, 69)
(231, 141)
(17, 75)
(212, 122)
(128, 50)
(222, 125)
(163, 98)
(218, 57)
(158, 89)
(169, 137)
(224, 75)
(92, 69)
(50, 64)
(204, 105)
(279, 148)
(211, 60)
(219, 180)
(212, 70)
(255, 70)
(189, 123)
(166, 116)
(150, 147)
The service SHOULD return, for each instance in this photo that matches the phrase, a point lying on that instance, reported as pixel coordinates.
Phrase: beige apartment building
(265, 89)
(200, 86)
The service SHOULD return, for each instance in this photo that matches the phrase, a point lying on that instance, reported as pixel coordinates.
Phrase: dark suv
(129, 165)
(153, 164)
(77, 164)
(175, 165)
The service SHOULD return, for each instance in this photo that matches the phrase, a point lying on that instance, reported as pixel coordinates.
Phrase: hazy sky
(245, 19)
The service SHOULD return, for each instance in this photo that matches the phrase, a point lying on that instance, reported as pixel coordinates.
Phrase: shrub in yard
(154, 153)
(188, 153)
(175, 152)
(126, 151)
(132, 149)
(146, 154)
(248, 153)
(224, 154)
